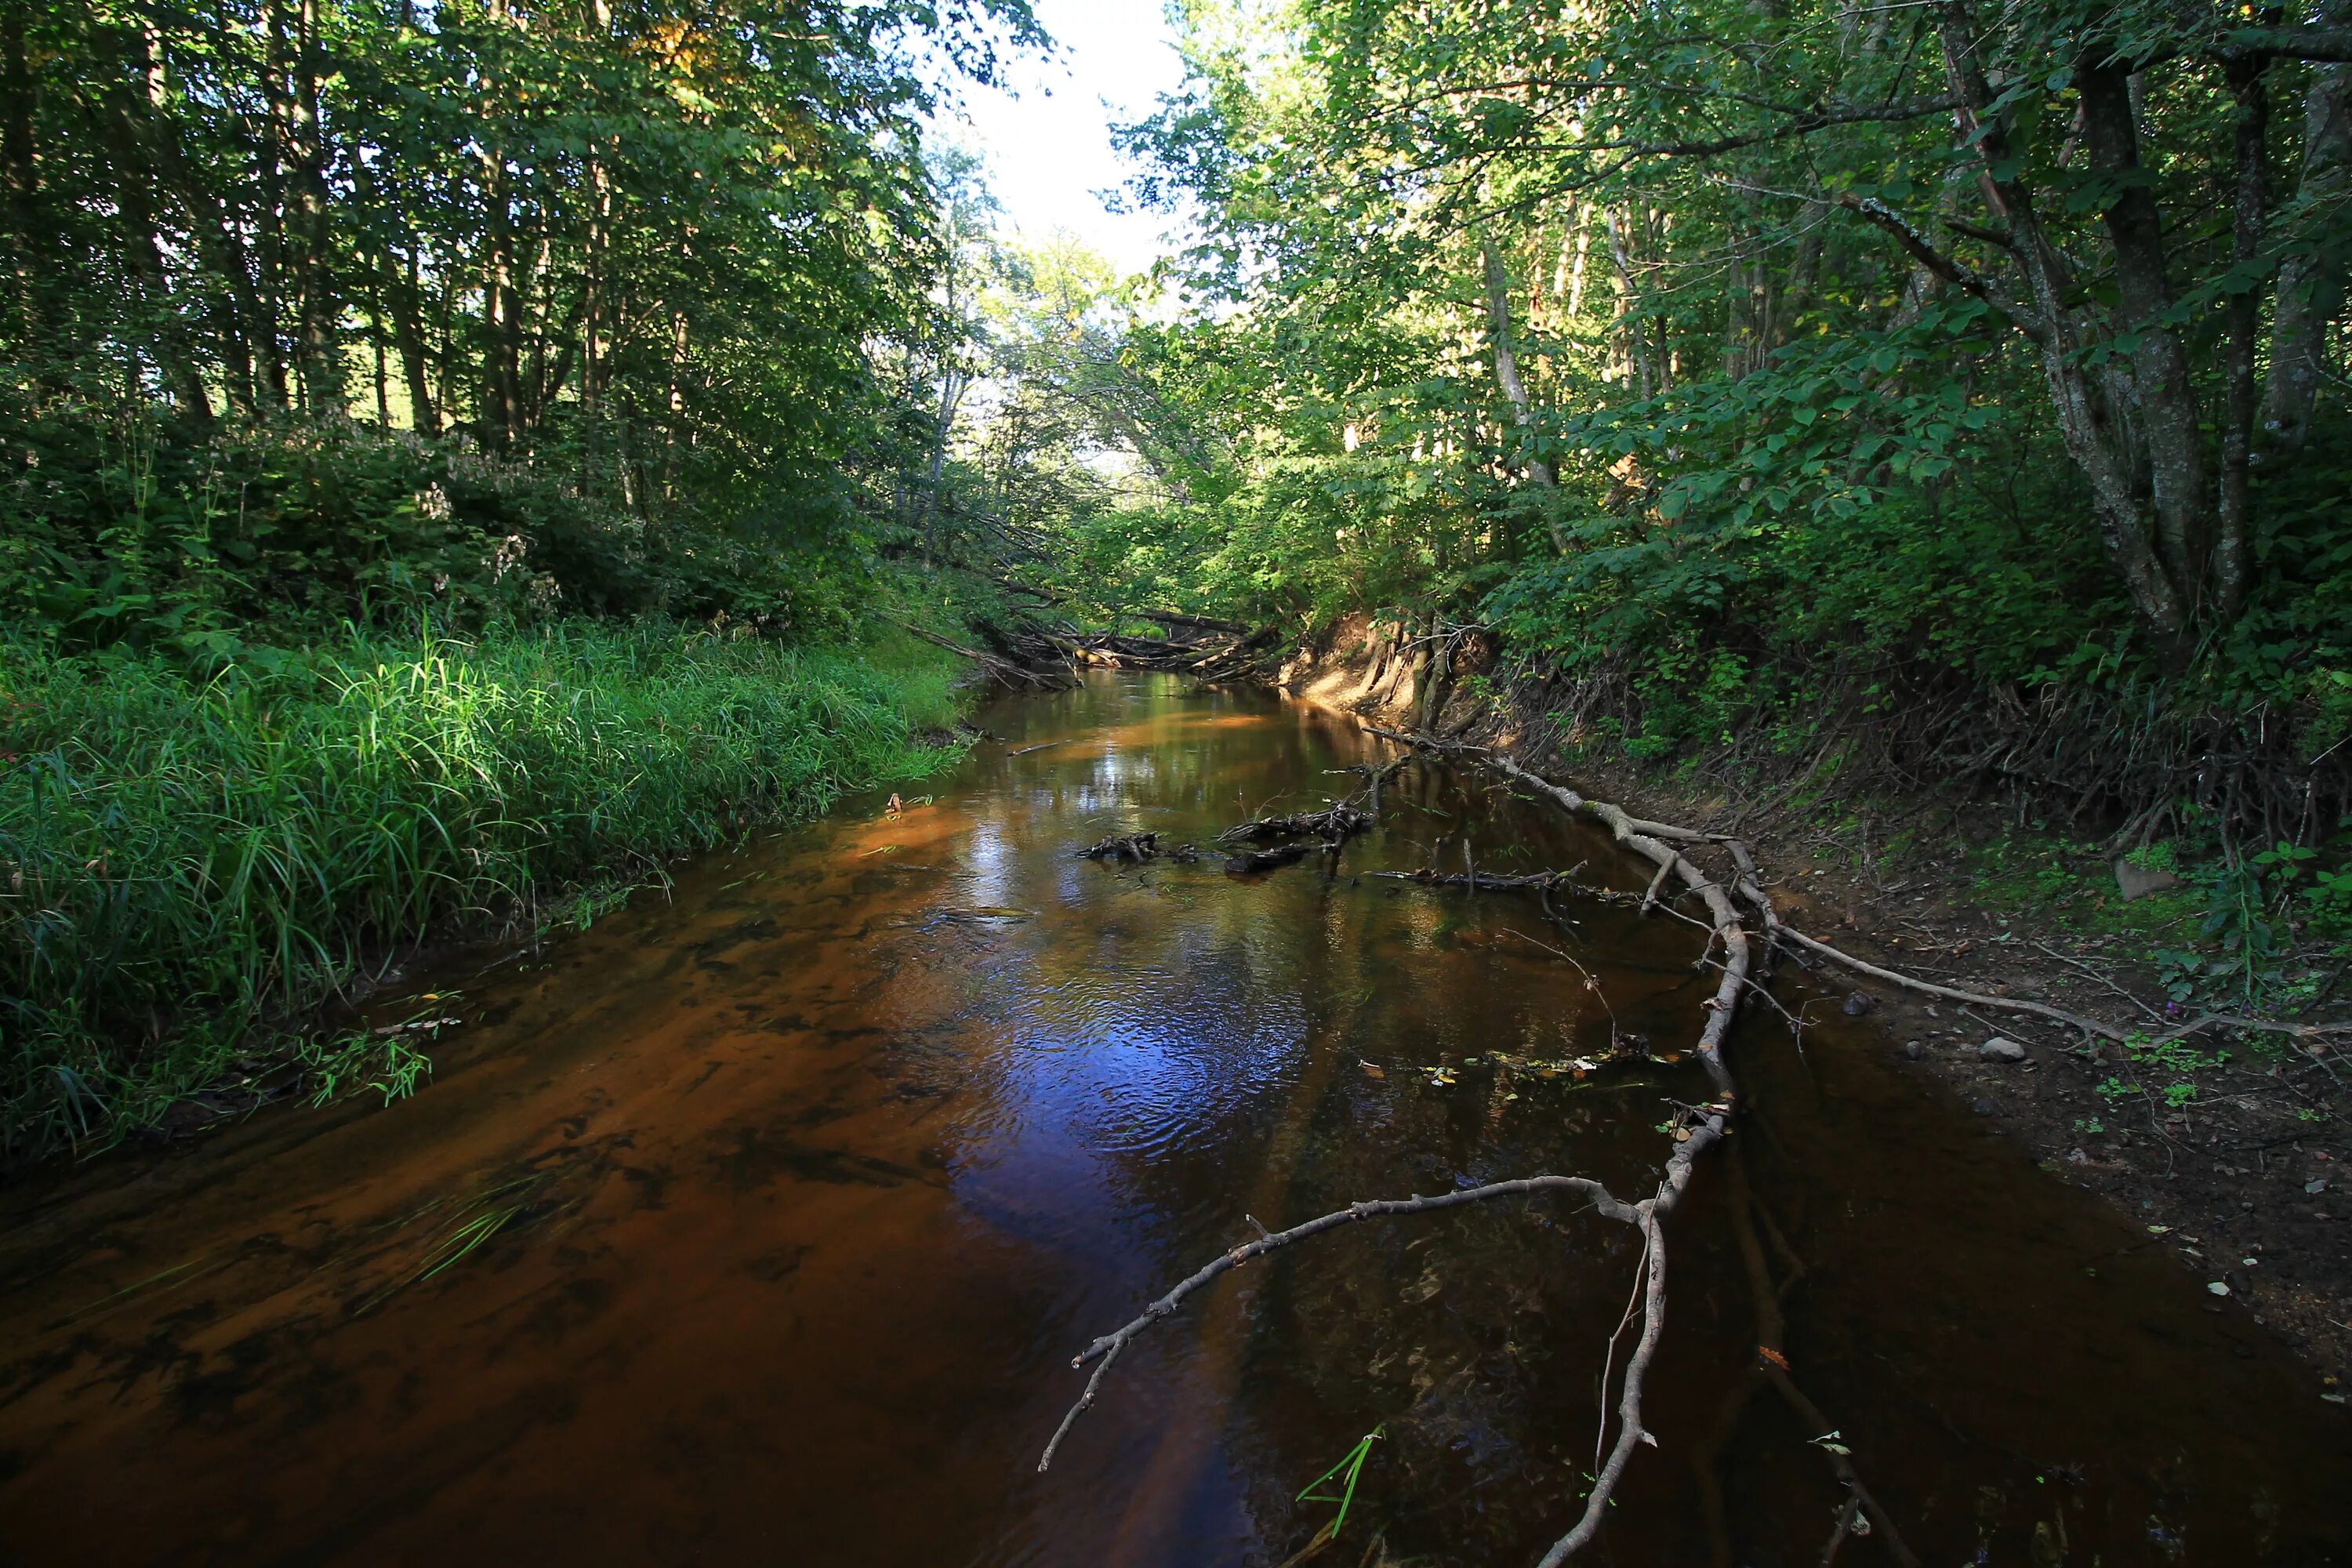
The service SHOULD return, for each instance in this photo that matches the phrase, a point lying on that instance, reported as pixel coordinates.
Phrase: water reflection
(759, 1225)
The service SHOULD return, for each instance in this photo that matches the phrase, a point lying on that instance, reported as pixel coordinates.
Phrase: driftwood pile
(1282, 840)
(1040, 657)
(1025, 665)
(1135, 848)
(1197, 646)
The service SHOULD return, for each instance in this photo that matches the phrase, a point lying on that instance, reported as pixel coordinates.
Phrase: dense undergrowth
(196, 859)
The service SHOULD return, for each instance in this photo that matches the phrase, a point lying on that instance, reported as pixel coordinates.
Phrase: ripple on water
(763, 1220)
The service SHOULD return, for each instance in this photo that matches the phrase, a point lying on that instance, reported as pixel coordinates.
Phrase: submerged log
(1137, 847)
(1340, 821)
(1131, 847)
(1241, 862)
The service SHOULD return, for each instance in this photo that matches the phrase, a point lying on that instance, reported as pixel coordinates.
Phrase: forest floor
(2240, 1164)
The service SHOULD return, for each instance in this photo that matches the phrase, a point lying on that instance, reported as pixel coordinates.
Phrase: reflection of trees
(1475, 1337)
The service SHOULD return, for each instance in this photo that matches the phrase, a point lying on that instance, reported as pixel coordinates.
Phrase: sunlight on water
(758, 1224)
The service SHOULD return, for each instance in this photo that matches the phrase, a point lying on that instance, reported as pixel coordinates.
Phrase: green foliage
(1345, 1475)
(120, 531)
(1715, 377)
(185, 856)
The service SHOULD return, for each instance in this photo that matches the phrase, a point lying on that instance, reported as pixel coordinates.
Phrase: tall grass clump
(187, 862)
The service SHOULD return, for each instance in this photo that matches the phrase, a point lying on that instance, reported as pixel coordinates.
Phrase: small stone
(2316, 1186)
(1984, 1108)
(2133, 882)
(1999, 1049)
(1858, 1003)
(2217, 1288)
(1915, 1050)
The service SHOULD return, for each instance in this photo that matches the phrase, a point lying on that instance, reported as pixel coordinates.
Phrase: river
(760, 1224)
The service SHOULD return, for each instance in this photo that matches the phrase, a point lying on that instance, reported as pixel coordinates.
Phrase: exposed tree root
(2115, 761)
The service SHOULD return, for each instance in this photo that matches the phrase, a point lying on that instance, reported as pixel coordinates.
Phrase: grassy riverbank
(191, 866)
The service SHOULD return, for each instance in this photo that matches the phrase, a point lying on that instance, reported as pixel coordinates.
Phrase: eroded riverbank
(764, 1221)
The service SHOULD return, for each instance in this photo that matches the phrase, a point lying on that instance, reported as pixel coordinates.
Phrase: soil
(2244, 1191)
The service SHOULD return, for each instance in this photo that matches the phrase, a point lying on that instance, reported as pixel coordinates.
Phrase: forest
(1935, 396)
(603, 487)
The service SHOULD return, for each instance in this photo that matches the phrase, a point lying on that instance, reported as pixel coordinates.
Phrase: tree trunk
(1811, 218)
(404, 299)
(144, 251)
(2091, 427)
(1637, 342)
(1540, 471)
(270, 248)
(2169, 418)
(2310, 292)
(2233, 566)
(26, 261)
(500, 391)
(316, 311)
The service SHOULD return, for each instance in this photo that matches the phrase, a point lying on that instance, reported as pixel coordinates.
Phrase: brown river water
(759, 1223)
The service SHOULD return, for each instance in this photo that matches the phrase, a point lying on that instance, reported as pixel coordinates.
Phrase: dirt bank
(2242, 1168)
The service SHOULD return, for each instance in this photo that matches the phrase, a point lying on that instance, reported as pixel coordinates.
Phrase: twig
(2105, 1030)
(2106, 980)
(1648, 840)
(1952, 993)
(1107, 1348)
(1607, 1362)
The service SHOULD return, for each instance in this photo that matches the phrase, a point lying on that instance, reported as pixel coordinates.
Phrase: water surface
(759, 1225)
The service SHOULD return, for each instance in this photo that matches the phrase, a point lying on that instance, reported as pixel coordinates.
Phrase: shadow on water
(760, 1225)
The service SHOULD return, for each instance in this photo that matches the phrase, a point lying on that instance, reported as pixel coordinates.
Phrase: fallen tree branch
(1952, 993)
(1772, 1365)
(1487, 882)
(2119, 1033)
(1240, 862)
(1339, 821)
(1136, 848)
(1650, 841)
(1107, 1348)
(1695, 1129)
(994, 665)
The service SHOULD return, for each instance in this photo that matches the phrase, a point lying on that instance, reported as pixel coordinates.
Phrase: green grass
(189, 866)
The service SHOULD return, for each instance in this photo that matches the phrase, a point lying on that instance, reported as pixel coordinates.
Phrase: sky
(1047, 142)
